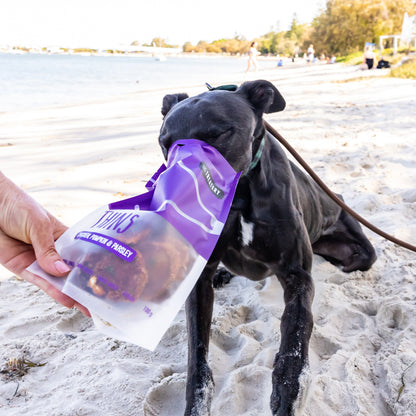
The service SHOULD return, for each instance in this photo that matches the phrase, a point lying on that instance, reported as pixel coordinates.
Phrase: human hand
(28, 233)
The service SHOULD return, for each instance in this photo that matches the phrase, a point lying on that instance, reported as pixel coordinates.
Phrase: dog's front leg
(296, 327)
(200, 385)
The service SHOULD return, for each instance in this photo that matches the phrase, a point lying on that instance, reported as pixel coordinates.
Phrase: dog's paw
(286, 385)
(221, 278)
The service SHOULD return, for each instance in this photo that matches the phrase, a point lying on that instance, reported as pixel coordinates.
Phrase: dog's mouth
(239, 161)
(243, 162)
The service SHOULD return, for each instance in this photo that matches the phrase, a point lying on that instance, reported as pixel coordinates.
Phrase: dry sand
(357, 129)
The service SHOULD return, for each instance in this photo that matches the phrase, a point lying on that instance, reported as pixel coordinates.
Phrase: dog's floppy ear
(263, 96)
(170, 100)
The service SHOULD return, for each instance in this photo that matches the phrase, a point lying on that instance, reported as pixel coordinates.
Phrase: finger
(48, 288)
(58, 227)
(83, 309)
(54, 292)
(42, 236)
(15, 255)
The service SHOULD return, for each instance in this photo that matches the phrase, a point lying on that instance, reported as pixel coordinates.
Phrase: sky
(83, 23)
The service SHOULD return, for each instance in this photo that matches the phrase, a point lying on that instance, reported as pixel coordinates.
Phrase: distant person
(310, 54)
(295, 53)
(333, 59)
(369, 57)
(382, 63)
(252, 57)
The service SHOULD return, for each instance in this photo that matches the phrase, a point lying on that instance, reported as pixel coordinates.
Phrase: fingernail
(61, 267)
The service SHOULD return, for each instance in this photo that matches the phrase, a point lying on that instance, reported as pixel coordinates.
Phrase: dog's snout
(165, 152)
(165, 142)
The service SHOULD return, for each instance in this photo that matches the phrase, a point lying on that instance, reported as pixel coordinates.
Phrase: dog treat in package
(134, 262)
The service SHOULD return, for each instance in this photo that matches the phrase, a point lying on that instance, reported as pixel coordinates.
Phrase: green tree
(269, 43)
(187, 47)
(345, 26)
(296, 30)
(201, 47)
(235, 46)
(160, 43)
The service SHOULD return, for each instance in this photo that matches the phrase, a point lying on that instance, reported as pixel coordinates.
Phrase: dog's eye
(214, 134)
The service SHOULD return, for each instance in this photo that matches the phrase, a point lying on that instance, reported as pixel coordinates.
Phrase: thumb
(43, 242)
(51, 262)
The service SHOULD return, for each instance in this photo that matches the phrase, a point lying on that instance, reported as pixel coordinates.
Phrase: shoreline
(355, 128)
(99, 77)
(276, 74)
(184, 55)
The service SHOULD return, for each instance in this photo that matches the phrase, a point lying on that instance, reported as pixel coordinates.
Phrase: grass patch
(405, 70)
(18, 367)
(355, 58)
(403, 63)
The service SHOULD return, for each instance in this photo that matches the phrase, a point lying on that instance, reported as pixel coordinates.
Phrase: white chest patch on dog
(246, 232)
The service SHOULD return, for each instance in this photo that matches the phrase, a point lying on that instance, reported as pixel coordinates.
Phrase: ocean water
(39, 80)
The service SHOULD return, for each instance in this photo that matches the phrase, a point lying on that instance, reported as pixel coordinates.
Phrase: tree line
(343, 27)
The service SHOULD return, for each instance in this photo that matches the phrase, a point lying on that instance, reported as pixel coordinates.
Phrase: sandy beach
(356, 129)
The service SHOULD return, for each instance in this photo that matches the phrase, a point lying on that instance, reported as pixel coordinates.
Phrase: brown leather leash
(318, 180)
(334, 197)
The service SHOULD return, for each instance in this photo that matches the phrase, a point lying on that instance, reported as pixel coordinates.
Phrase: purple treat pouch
(134, 262)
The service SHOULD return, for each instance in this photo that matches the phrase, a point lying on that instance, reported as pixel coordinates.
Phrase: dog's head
(228, 121)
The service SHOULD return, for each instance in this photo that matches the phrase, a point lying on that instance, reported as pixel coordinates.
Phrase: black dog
(279, 217)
